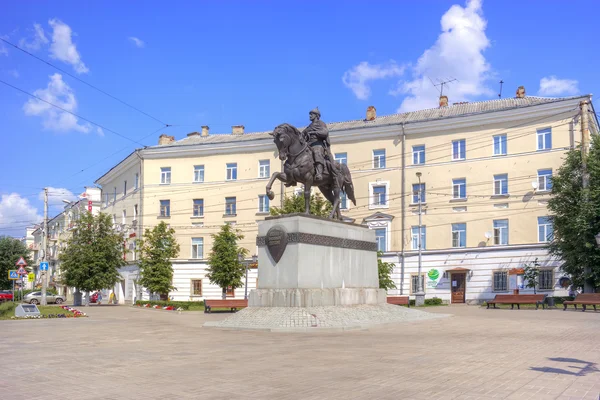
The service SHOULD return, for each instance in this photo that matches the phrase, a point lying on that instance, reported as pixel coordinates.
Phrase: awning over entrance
(458, 269)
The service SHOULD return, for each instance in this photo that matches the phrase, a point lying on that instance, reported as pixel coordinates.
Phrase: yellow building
(485, 175)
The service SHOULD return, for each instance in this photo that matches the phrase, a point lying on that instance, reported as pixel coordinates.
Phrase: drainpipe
(402, 206)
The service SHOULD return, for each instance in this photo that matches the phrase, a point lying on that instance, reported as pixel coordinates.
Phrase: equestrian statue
(308, 160)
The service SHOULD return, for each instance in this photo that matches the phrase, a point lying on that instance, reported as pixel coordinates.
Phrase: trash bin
(77, 298)
(550, 301)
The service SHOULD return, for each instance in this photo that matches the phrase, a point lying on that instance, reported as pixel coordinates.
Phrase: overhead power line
(84, 82)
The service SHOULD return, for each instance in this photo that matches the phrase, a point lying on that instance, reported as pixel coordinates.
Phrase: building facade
(478, 174)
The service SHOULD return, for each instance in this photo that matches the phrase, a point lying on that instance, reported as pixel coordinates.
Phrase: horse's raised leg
(307, 187)
(335, 211)
(276, 175)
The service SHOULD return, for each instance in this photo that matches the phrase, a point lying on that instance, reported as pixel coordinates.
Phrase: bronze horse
(299, 167)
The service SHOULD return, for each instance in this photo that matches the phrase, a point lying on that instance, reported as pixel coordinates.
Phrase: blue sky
(258, 64)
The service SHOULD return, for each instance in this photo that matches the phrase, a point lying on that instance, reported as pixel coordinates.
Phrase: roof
(431, 114)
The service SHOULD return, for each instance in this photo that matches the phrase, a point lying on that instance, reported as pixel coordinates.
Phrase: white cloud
(137, 42)
(59, 93)
(457, 53)
(552, 86)
(39, 39)
(16, 212)
(63, 48)
(358, 77)
(100, 131)
(14, 73)
(3, 49)
(56, 196)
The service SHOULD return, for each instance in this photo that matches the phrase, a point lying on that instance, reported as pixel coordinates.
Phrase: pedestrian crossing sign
(22, 271)
(12, 274)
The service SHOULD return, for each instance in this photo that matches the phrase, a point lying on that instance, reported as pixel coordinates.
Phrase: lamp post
(420, 295)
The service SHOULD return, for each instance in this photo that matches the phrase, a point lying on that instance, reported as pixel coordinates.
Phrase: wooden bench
(227, 303)
(585, 299)
(399, 300)
(518, 299)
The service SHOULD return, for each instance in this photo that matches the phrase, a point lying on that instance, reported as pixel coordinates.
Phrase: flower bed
(157, 307)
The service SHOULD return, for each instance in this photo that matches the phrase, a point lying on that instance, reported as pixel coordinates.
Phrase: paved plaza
(128, 353)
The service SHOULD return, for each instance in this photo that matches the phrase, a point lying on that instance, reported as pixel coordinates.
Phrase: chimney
(443, 101)
(205, 129)
(371, 113)
(237, 129)
(520, 92)
(193, 134)
(165, 139)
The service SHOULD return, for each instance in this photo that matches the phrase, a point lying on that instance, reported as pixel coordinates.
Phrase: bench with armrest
(584, 299)
(399, 300)
(233, 304)
(518, 299)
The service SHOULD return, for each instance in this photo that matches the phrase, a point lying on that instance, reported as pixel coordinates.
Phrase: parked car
(36, 298)
(5, 295)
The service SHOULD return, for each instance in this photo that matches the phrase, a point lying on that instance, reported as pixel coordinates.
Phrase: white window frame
(372, 204)
(347, 205)
(198, 173)
(377, 159)
(456, 188)
(234, 205)
(194, 209)
(136, 181)
(264, 171)
(544, 179)
(458, 231)
(115, 195)
(383, 224)
(543, 132)
(165, 175)
(415, 245)
(498, 235)
(230, 171)
(124, 188)
(506, 280)
(263, 201)
(413, 290)
(456, 157)
(192, 244)
(552, 280)
(496, 180)
(341, 159)
(418, 154)
(500, 137)
(167, 214)
(545, 226)
(192, 294)
(385, 238)
(422, 195)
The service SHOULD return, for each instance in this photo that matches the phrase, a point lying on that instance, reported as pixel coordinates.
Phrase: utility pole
(45, 247)
(420, 295)
(588, 287)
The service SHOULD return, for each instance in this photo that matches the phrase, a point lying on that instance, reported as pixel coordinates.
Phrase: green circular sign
(433, 274)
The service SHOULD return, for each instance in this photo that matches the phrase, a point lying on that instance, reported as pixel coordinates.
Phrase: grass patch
(7, 310)
(184, 305)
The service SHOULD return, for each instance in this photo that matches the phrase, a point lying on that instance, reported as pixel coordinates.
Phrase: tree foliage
(157, 248)
(11, 250)
(385, 270)
(93, 254)
(224, 268)
(295, 204)
(576, 216)
(531, 272)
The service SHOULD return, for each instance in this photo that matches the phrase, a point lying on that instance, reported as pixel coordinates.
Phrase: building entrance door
(459, 282)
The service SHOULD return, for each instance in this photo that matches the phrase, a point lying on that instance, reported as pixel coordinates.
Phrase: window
(459, 188)
(379, 158)
(198, 208)
(230, 292)
(165, 175)
(545, 230)
(544, 180)
(115, 195)
(379, 195)
(136, 183)
(264, 168)
(231, 171)
(197, 247)
(415, 237)
(342, 158)
(381, 238)
(196, 287)
(124, 217)
(418, 155)
(500, 281)
(418, 193)
(229, 205)
(501, 231)
(459, 149)
(546, 279)
(500, 145)
(198, 173)
(135, 212)
(500, 184)
(414, 283)
(459, 235)
(165, 208)
(263, 204)
(124, 188)
(106, 200)
(343, 201)
(544, 139)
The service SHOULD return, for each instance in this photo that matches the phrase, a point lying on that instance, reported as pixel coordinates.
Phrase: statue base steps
(315, 297)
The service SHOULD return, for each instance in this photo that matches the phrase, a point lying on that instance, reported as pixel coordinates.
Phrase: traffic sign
(12, 274)
(31, 277)
(22, 271)
(44, 266)
(21, 262)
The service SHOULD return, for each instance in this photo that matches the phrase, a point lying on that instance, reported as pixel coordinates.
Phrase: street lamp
(420, 294)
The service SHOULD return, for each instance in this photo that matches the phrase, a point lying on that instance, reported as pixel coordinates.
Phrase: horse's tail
(347, 185)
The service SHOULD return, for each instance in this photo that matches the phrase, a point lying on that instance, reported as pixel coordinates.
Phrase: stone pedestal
(306, 261)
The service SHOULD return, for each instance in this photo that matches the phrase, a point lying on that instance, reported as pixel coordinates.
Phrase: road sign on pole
(22, 271)
(31, 277)
(21, 262)
(44, 266)
(12, 274)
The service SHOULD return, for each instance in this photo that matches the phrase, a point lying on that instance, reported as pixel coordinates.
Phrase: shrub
(436, 301)
(7, 309)
(562, 299)
(185, 305)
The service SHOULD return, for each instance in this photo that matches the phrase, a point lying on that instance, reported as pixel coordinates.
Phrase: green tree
(11, 250)
(531, 272)
(295, 204)
(93, 254)
(385, 270)
(157, 248)
(224, 268)
(576, 216)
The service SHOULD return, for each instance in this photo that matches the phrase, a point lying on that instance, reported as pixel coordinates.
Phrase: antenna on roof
(500, 94)
(441, 85)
